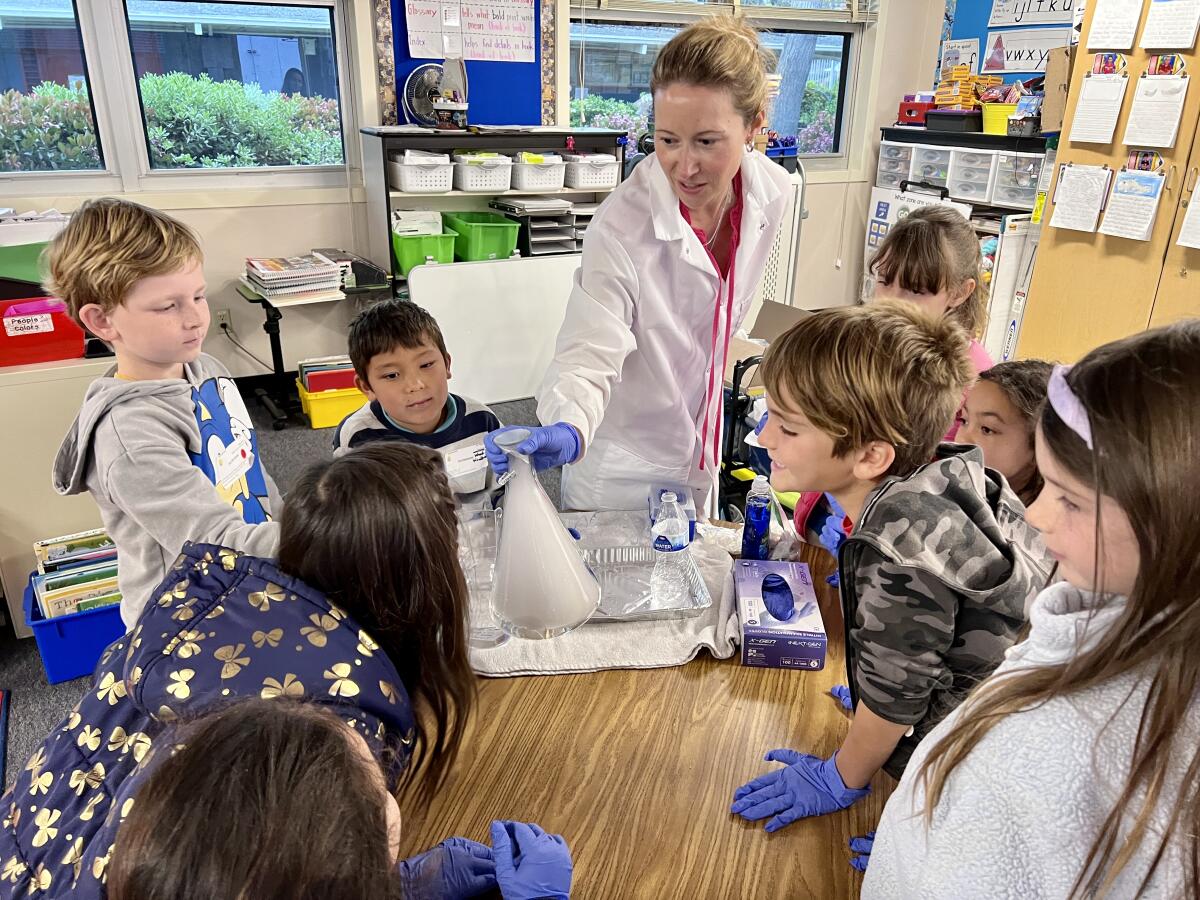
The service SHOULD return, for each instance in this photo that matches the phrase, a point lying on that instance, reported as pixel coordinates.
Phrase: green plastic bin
(482, 235)
(411, 250)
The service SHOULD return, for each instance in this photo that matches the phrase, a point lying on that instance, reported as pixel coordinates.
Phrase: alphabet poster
(1032, 12)
(496, 30)
(1022, 50)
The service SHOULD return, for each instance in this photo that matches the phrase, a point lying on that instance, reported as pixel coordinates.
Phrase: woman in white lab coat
(671, 262)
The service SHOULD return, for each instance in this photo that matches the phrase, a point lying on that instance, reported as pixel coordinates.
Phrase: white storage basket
(594, 171)
(420, 178)
(490, 175)
(543, 176)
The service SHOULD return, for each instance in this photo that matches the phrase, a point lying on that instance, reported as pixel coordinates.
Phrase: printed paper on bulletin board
(493, 30)
(1032, 12)
(1025, 50)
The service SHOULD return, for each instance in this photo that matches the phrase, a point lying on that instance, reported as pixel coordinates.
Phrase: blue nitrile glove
(530, 863)
(832, 537)
(842, 694)
(547, 447)
(762, 423)
(809, 786)
(453, 870)
(862, 845)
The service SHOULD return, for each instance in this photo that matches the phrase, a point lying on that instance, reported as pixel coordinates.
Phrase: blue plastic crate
(71, 645)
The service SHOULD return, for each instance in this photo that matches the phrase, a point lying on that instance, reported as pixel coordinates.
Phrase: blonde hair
(1142, 399)
(886, 372)
(108, 246)
(722, 52)
(933, 249)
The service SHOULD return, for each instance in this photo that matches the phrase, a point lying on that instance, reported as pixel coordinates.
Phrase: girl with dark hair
(280, 800)
(1074, 770)
(364, 613)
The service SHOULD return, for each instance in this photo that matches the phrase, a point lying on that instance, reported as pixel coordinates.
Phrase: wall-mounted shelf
(409, 195)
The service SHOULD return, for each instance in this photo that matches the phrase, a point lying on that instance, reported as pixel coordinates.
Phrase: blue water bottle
(758, 520)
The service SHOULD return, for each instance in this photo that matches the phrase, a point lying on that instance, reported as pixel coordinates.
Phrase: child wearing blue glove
(934, 557)
(1073, 770)
(274, 799)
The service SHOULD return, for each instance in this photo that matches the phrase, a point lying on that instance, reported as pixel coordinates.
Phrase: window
(46, 118)
(610, 80)
(236, 84)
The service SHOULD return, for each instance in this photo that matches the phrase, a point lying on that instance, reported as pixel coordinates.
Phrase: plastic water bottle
(758, 520)
(671, 535)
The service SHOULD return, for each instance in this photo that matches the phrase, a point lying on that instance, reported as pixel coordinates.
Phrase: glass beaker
(543, 589)
(478, 536)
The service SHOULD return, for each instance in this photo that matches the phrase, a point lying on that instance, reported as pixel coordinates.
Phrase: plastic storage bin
(592, 171)
(931, 165)
(1017, 177)
(71, 645)
(972, 175)
(37, 330)
(482, 235)
(484, 175)
(544, 176)
(420, 177)
(325, 409)
(412, 250)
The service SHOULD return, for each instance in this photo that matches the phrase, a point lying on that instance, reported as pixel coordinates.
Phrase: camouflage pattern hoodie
(936, 579)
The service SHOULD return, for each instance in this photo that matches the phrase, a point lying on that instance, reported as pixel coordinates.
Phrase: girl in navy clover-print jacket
(378, 618)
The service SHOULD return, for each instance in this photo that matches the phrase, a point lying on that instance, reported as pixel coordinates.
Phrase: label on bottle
(664, 544)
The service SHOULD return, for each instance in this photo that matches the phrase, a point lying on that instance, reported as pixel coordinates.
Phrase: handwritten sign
(495, 30)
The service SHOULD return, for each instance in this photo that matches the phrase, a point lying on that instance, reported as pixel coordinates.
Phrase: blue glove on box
(547, 447)
(453, 870)
(863, 846)
(530, 864)
(808, 786)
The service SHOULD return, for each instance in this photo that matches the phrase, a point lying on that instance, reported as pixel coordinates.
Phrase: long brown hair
(265, 799)
(376, 531)
(1142, 396)
(933, 249)
(1023, 382)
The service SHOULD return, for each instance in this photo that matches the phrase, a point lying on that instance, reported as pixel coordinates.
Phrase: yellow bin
(995, 117)
(325, 409)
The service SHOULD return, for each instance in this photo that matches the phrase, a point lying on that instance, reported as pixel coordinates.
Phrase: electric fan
(423, 85)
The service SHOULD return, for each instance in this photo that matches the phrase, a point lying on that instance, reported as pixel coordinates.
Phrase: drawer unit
(1017, 179)
(895, 160)
(930, 165)
(972, 175)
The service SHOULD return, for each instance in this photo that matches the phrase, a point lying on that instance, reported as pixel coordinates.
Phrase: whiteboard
(500, 319)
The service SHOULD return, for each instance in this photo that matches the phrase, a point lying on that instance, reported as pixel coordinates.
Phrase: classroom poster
(1022, 50)
(961, 52)
(1032, 12)
(492, 30)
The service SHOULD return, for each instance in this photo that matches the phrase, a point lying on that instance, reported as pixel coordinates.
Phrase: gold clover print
(13, 869)
(178, 687)
(37, 762)
(272, 637)
(262, 600)
(83, 779)
(321, 623)
(176, 593)
(41, 879)
(228, 559)
(366, 644)
(231, 656)
(343, 686)
(89, 737)
(41, 783)
(389, 691)
(290, 687)
(111, 689)
(190, 644)
(89, 810)
(45, 822)
(74, 857)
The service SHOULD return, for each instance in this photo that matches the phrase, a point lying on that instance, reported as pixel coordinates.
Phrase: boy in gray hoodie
(163, 442)
(938, 562)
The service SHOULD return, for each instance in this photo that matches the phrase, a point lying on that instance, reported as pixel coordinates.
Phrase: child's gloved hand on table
(807, 786)
(530, 864)
(862, 845)
(453, 870)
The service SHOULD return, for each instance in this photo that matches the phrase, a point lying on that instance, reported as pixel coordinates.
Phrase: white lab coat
(635, 351)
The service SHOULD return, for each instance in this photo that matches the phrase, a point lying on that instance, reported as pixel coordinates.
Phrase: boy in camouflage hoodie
(938, 564)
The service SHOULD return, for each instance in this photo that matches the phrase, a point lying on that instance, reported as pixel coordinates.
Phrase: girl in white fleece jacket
(1074, 770)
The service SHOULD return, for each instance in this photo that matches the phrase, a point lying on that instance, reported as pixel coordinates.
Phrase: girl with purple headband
(1074, 770)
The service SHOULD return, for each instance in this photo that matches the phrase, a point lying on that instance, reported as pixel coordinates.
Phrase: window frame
(121, 126)
(763, 18)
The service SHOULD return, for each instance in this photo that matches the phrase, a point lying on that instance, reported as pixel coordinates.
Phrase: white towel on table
(629, 645)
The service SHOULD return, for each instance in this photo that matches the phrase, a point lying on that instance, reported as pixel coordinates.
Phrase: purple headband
(1064, 402)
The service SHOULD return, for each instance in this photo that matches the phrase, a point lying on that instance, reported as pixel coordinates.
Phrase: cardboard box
(773, 320)
(796, 642)
(1058, 81)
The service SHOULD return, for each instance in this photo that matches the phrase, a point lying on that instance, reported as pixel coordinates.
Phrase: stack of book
(76, 572)
(292, 280)
(326, 373)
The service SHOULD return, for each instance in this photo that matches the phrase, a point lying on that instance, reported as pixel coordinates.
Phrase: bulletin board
(970, 21)
(500, 93)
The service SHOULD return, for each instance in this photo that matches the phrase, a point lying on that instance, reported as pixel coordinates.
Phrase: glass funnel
(542, 587)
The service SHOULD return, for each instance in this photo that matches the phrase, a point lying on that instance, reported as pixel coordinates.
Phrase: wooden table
(637, 768)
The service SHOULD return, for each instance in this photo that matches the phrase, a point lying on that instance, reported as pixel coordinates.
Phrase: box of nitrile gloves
(780, 619)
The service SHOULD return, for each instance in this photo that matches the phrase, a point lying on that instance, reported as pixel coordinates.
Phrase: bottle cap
(668, 497)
